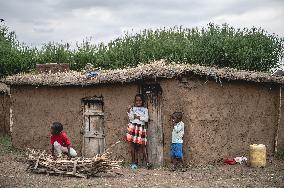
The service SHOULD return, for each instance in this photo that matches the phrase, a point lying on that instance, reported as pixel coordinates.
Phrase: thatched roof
(159, 69)
(4, 88)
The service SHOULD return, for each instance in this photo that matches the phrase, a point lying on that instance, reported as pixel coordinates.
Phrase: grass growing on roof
(222, 46)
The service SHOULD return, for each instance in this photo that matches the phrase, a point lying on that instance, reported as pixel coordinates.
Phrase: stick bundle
(40, 162)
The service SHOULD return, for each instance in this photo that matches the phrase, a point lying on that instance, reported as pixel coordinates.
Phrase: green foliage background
(214, 45)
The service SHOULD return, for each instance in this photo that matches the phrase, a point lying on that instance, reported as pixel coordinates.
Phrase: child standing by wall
(137, 132)
(60, 142)
(177, 139)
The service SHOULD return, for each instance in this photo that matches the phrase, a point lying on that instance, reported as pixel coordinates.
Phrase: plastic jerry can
(257, 155)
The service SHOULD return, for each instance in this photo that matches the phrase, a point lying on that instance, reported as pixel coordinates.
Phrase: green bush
(6, 145)
(14, 57)
(220, 46)
(247, 49)
(280, 155)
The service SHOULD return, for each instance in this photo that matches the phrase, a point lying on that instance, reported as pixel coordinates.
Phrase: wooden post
(279, 120)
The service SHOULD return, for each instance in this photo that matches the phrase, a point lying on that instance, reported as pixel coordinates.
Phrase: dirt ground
(13, 174)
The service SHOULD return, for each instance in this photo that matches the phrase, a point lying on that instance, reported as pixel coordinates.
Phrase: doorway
(155, 140)
(93, 127)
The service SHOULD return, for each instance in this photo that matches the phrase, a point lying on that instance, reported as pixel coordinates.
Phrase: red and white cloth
(137, 133)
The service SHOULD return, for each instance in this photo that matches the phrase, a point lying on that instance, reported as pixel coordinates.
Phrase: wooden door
(153, 95)
(93, 127)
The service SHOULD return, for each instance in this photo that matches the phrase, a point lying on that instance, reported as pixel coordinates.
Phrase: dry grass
(156, 70)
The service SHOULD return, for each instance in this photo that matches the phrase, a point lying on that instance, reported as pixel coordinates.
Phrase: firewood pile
(43, 163)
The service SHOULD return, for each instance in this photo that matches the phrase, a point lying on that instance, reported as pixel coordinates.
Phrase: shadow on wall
(4, 113)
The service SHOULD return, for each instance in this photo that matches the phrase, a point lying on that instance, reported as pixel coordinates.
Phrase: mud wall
(4, 113)
(34, 109)
(221, 121)
(280, 141)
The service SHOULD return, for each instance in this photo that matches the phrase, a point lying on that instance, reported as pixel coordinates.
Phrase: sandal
(134, 167)
(149, 166)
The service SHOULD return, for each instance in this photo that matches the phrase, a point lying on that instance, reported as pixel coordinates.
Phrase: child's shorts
(176, 150)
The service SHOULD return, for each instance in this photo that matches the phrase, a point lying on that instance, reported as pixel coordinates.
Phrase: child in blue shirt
(177, 139)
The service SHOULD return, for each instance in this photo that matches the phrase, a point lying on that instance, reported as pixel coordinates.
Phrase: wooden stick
(38, 160)
(278, 122)
(74, 168)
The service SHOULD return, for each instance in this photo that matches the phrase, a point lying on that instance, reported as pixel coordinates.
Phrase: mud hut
(225, 110)
(4, 109)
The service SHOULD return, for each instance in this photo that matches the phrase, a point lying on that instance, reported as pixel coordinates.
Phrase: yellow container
(257, 155)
